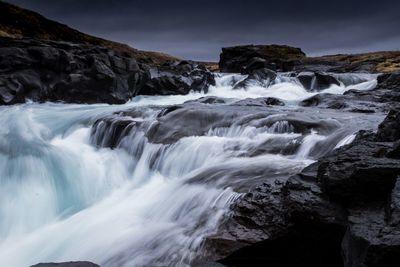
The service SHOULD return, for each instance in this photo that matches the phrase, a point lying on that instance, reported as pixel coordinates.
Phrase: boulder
(260, 77)
(389, 129)
(389, 81)
(343, 210)
(42, 71)
(72, 73)
(316, 81)
(285, 222)
(178, 77)
(359, 172)
(250, 57)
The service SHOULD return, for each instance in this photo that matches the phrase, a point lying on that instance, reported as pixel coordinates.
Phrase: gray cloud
(198, 29)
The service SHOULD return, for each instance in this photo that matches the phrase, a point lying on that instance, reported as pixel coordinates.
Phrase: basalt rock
(260, 77)
(389, 129)
(76, 73)
(178, 78)
(343, 210)
(245, 59)
(360, 171)
(283, 223)
(389, 81)
(250, 57)
(316, 81)
(72, 73)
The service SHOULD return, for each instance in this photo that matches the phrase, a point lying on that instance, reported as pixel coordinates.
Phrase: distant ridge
(16, 22)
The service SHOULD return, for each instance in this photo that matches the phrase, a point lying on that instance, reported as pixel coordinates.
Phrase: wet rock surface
(57, 71)
(316, 81)
(343, 208)
(245, 59)
(42, 71)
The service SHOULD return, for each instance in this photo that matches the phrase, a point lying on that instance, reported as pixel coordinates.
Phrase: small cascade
(92, 182)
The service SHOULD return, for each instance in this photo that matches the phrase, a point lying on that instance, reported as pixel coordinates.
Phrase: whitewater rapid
(62, 198)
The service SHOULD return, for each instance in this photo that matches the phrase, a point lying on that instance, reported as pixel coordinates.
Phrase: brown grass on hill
(384, 61)
(16, 22)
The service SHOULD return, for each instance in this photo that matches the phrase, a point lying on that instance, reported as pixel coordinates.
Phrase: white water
(62, 199)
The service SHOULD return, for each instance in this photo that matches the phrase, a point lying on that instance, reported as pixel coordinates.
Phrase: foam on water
(140, 204)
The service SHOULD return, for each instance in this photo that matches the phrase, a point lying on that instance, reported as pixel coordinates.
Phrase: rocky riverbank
(341, 210)
(285, 58)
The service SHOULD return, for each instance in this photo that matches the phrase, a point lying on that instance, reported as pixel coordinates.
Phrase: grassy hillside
(16, 22)
(384, 61)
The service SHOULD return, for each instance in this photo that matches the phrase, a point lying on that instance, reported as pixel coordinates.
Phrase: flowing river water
(65, 197)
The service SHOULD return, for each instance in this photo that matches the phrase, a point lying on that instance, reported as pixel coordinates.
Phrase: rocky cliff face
(41, 71)
(285, 58)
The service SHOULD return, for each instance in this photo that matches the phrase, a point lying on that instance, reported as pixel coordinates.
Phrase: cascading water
(66, 195)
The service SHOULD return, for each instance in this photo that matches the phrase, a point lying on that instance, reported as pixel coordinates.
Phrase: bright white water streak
(61, 199)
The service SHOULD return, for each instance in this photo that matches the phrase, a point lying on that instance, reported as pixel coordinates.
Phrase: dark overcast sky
(197, 29)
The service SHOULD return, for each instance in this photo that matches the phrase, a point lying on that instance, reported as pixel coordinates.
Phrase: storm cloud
(198, 29)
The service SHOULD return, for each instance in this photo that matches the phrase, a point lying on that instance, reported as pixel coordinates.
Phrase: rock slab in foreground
(343, 210)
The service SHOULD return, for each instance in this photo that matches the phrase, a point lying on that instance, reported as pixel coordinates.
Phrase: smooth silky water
(141, 204)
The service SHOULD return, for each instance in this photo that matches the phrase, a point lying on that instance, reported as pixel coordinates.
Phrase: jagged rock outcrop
(259, 77)
(72, 73)
(341, 211)
(316, 81)
(250, 57)
(177, 78)
(75, 73)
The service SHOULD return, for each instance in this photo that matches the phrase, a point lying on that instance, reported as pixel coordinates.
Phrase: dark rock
(370, 240)
(67, 264)
(316, 81)
(178, 78)
(263, 101)
(395, 152)
(325, 100)
(257, 63)
(56, 71)
(389, 81)
(359, 171)
(108, 132)
(165, 85)
(343, 210)
(261, 77)
(208, 100)
(283, 223)
(272, 101)
(77, 73)
(389, 129)
(250, 57)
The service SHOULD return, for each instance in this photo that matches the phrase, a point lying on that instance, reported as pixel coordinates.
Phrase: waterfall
(70, 190)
